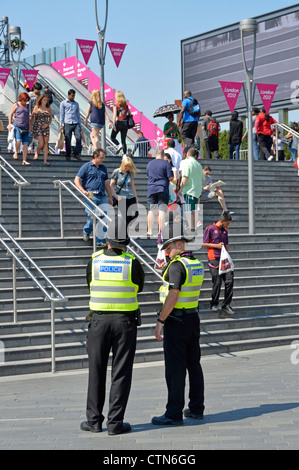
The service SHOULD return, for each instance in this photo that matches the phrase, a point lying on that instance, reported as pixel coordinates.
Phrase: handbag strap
(123, 183)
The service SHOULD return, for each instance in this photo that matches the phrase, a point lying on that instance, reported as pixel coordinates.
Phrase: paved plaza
(252, 402)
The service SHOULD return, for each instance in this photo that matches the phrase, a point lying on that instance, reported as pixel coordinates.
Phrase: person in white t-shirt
(176, 157)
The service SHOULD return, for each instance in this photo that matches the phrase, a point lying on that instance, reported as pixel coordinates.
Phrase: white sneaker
(119, 149)
(270, 158)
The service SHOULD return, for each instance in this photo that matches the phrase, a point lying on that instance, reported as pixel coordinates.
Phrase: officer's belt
(179, 312)
(113, 312)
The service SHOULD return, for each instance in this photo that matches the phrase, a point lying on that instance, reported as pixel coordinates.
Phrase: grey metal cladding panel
(210, 58)
(230, 50)
(289, 63)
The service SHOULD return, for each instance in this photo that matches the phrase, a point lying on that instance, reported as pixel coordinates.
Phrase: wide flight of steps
(3, 135)
(266, 294)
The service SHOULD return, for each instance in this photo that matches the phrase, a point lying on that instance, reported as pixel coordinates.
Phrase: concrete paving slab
(252, 402)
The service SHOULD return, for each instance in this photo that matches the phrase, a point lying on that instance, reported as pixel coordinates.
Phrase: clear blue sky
(150, 70)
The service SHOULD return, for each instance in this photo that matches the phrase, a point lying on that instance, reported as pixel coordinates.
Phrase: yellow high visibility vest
(190, 290)
(111, 286)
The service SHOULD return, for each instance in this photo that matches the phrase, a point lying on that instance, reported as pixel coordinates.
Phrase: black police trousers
(182, 354)
(114, 332)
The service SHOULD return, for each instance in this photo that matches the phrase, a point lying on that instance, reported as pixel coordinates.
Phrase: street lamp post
(249, 26)
(101, 34)
(16, 32)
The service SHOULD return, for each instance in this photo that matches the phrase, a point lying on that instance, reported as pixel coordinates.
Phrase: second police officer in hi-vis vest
(179, 320)
(114, 278)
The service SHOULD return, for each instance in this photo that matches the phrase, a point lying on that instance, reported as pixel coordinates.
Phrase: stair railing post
(14, 288)
(276, 143)
(53, 362)
(94, 233)
(61, 212)
(20, 210)
(0, 190)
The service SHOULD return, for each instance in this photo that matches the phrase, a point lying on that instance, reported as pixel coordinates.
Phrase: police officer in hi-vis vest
(179, 320)
(114, 278)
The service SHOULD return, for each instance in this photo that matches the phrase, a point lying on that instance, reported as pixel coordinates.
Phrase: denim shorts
(98, 126)
(21, 138)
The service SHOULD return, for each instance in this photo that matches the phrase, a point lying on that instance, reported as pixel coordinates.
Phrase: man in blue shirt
(92, 180)
(70, 122)
(159, 174)
(187, 123)
(142, 144)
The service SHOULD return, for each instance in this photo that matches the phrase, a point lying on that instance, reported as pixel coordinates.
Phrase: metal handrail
(48, 296)
(13, 174)
(287, 129)
(59, 97)
(94, 214)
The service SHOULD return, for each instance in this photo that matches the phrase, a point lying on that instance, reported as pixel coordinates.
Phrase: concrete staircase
(3, 135)
(266, 294)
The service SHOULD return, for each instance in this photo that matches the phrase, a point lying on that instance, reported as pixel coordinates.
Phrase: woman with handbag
(123, 189)
(121, 114)
(97, 112)
(22, 127)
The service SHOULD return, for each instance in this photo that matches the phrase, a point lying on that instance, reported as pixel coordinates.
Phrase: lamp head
(249, 25)
(14, 30)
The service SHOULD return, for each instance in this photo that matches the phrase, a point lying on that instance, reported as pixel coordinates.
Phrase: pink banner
(86, 47)
(66, 67)
(149, 129)
(94, 82)
(4, 74)
(73, 68)
(231, 92)
(82, 70)
(267, 93)
(117, 51)
(109, 96)
(136, 116)
(30, 77)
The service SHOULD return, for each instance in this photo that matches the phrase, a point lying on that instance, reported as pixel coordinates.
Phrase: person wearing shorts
(159, 174)
(19, 114)
(97, 113)
(191, 187)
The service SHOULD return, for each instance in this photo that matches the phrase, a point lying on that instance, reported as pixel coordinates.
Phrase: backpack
(194, 108)
(212, 129)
